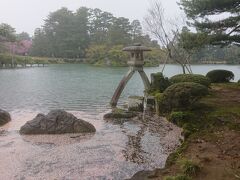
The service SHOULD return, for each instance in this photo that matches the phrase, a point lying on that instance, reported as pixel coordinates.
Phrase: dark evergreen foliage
(67, 34)
(7, 33)
(221, 32)
(220, 76)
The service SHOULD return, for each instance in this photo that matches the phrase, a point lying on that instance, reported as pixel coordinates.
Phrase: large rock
(4, 117)
(56, 122)
(120, 114)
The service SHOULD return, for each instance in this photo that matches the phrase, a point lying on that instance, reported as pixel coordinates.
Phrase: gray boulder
(56, 122)
(4, 117)
(120, 115)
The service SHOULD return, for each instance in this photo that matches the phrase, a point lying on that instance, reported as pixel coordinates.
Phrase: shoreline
(213, 150)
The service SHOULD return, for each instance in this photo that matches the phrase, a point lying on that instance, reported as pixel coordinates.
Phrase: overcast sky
(26, 15)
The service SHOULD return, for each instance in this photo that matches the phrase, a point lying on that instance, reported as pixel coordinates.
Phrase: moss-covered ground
(211, 150)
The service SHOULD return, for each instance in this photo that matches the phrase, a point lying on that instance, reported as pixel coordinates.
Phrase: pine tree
(219, 19)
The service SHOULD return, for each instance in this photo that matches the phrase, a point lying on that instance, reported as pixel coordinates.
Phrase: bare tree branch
(167, 33)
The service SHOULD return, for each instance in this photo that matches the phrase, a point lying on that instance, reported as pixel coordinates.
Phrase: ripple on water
(115, 151)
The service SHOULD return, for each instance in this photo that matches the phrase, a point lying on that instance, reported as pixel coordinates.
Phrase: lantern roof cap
(136, 47)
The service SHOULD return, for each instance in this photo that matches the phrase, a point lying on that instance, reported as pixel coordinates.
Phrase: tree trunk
(183, 68)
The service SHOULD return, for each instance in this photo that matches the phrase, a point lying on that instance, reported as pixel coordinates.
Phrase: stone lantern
(136, 63)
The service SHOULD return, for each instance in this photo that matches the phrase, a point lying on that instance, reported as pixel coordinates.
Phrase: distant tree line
(11, 42)
(98, 37)
(217, 54)
(7, 34)
(68, 34)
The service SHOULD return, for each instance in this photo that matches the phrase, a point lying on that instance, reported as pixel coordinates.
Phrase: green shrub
(178, 177)
(220, 76)
(181, 96)
(185, 119)
(239, 81)
(189, 167)
(196, 78)
(5, 58)
(159, 83)
(158, 96)
(158, 100)
(180, 118)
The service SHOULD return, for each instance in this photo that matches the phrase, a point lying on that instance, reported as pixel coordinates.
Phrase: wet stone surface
(115, 151)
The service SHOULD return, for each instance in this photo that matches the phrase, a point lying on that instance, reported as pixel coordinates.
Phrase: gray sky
(26, 15)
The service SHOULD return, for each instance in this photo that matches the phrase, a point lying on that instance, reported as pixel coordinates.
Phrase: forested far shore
(97, 37)
(9, 60)
(99, 56)
(71, 34)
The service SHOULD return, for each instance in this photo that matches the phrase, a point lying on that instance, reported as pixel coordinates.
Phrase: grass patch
(205, 122)
(173, 157)
(189, 167)
(230, 85)
(177, 177)
(205, 117)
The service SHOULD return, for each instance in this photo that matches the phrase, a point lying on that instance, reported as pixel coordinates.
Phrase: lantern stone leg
(145, 79)
(121, 87)
(136, 63)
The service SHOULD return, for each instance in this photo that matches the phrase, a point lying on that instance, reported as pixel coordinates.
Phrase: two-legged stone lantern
(136, 63)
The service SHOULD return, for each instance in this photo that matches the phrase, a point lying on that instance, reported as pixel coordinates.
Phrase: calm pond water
(115, 151)
(76, 87)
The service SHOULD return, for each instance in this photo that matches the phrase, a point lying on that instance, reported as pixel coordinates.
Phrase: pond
(116, 151)
(76, 87)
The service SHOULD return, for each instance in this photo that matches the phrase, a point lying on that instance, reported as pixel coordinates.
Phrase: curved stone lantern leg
(136, 63)
(124, 82)
(144, 79)
(121, 87)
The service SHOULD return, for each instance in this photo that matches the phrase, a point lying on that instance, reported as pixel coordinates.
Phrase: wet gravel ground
(115, 151)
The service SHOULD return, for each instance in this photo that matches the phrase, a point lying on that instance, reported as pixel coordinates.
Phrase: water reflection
(76, 87)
